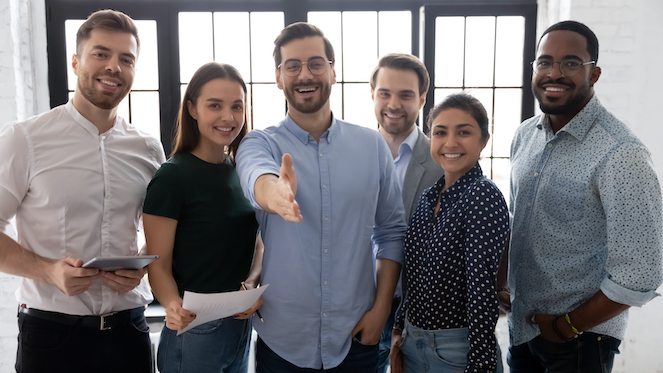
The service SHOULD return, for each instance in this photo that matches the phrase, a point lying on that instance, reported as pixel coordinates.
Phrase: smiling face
(397, 100)
(219, 112)
(562, 96)
(105, 68)
(456, 143)
(305, 93)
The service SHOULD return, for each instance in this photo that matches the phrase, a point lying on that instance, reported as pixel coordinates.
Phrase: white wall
(629, 33)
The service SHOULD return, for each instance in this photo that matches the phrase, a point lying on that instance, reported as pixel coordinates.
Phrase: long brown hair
(187, 135)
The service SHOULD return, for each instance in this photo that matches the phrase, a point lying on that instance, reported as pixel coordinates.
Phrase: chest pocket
(564, 199)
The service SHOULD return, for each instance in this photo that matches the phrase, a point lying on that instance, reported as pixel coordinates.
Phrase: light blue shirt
(320, 271)
(405, 155)
(587, 216)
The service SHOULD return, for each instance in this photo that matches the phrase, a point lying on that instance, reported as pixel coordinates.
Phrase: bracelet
(559, 334)
(568, 320)
(504, 289)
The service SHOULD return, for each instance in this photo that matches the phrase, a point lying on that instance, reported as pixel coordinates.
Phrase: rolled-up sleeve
(631, 196)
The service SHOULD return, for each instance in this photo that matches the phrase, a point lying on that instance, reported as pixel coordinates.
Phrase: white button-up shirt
(76, 192)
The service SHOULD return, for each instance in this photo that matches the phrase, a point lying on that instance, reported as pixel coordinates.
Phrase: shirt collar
(304, 136)
(458, 187)
(86, 124)
(580, 124)
(409, 141)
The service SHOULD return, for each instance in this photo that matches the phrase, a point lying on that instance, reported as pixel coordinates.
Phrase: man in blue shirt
(586, 240)
(399, 84)
(322, 309)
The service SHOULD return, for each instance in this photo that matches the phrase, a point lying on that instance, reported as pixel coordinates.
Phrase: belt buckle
(102, 318)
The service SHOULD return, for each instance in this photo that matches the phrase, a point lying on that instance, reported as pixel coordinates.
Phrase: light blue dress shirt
(320, 271)
(405, 155)
(587, 216)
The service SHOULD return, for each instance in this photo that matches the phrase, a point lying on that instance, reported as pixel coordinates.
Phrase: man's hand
(68, 275)
(248, 313)
(371, 326)
(123, 280)
(276, 195)
(396, 354)
(545, 323)
(177, 318)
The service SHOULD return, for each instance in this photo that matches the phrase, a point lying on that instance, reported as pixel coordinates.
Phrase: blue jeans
(589, 353)
(385, 339)
(438, 351)
(219, 346)
(360, 359)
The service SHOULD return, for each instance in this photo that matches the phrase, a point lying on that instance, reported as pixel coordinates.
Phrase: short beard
(308, 106)
(571, 104)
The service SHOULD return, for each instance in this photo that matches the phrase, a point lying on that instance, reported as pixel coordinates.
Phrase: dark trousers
(589, 353)
(47, 346)
(360, 359)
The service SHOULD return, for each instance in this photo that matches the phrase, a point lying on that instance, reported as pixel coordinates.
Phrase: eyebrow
(388, 90)
(298, 60)
(567, 57)
(456, 126)
(106, 49)
(212, 99)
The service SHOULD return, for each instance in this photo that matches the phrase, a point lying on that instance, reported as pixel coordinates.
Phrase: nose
(305, 73)
(556, 73)
(394, 103)
(452, 140)
(113, 64)
(227, 115)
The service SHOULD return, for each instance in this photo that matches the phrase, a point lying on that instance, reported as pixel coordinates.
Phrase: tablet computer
(112, 263)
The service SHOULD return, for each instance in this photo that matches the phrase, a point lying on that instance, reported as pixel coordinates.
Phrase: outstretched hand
(281, 198)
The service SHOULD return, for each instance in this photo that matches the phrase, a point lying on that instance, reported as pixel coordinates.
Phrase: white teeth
(452, 155)
(554, 89)
(393, 116)
(224, 129)
(112, 84)
(304, 90)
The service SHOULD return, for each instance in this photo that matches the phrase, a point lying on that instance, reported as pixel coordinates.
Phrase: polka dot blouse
(451, 262)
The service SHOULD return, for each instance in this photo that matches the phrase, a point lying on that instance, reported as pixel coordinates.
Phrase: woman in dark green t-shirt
(200, 224)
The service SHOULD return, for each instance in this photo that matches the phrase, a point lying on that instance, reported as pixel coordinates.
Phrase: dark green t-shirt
(216, 225)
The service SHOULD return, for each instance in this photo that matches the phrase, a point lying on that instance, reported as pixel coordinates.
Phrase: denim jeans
(360, 359)
(589, 353)
(437, 351)
(219, 346)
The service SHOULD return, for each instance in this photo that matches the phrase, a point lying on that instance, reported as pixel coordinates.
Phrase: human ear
(192, 109)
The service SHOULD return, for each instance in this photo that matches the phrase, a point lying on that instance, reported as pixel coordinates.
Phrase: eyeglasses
(569, 67)
(316, 65)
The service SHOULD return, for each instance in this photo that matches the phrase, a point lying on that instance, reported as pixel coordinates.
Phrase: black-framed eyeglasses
(316, 65)
(568, 67)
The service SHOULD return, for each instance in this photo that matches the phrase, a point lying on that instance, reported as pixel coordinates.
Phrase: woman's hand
(177, 318)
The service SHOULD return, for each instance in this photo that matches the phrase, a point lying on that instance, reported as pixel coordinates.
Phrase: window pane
(358, 105)
(363, 49)
(449, 51)
(330, 24)
(265, 26)
(479, 51)
(395, 32)
(268, 105)
(485, 96)
(231, 41)
(508, 105)
(501, 170)
(196, 47)
(147, 64)
(441, 93)
(123, 108)
(510, 39)
(145, 112)
(71, 27)
(336, 100)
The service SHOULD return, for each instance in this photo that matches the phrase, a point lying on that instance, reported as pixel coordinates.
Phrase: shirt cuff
(390, 250)
(617, 293)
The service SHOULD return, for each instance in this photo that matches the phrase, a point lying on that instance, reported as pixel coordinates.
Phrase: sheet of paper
(208, 307)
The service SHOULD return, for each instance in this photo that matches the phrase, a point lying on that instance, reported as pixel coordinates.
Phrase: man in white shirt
(75, 177)
(399, 84)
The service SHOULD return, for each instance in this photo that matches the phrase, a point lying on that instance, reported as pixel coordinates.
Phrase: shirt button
(550, 145)
(325, 251)
(324, 186)
(324, 315)
(325, 282)
(326, 218)
(529, 204)
(320, 155)
(536, 174)
(522, 235)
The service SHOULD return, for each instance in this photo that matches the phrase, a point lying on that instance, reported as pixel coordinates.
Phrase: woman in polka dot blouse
(452, 252)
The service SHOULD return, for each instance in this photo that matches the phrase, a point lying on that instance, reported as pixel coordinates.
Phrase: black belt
(103, 322)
